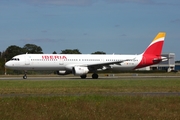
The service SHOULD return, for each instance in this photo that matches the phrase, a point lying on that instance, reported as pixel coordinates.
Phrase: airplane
(81, 64)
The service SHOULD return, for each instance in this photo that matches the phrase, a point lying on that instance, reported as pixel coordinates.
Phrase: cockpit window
(15, 59)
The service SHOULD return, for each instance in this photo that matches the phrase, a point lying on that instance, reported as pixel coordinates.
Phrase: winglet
(155, 48)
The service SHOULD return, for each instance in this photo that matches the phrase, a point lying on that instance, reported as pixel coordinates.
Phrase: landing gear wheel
(95, 76)
(83, 76)
(24, 77)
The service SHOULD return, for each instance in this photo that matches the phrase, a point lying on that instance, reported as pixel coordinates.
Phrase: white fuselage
(67, 62)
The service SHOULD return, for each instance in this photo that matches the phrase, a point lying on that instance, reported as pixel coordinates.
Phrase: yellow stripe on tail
(159, 35)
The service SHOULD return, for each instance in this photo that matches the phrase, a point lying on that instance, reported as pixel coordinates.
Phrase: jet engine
(63, 72)
(80, 70)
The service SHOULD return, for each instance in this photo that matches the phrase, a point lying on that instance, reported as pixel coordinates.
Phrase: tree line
(14, 50)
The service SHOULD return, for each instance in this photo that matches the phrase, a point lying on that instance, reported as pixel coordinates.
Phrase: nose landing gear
(25, 76)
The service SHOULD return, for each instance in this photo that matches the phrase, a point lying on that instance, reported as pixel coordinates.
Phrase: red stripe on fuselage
(148, 60)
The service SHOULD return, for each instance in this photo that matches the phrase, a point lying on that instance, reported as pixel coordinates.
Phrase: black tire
(83, 76)
(24, 77)
(95, 76)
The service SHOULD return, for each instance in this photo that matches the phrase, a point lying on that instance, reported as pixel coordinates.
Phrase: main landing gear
(94, 76)
(83, 76)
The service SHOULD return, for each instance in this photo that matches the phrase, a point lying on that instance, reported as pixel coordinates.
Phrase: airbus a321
(81, 64)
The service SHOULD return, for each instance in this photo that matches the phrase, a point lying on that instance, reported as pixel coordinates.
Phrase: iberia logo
(53, 57)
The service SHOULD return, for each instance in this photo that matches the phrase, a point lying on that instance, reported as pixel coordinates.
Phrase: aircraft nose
(8, 64)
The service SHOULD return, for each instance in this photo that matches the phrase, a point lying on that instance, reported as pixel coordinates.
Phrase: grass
(90, 108)
(88, 87)
(76, 99)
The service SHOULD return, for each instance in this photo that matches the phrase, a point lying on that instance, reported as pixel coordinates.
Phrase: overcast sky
(112, 26)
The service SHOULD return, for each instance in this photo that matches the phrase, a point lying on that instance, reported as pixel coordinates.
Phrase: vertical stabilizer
(155, 48)
(152, 54)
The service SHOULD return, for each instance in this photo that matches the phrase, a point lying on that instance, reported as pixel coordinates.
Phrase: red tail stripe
(154, 49)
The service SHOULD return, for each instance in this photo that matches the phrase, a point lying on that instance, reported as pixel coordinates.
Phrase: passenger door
(27, 59)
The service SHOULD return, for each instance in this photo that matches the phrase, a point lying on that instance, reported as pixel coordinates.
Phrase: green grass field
(76, 99)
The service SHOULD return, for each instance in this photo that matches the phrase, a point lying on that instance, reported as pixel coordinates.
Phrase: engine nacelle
(63, 72)
(80, 70)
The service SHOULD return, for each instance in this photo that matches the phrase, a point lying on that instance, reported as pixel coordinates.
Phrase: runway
(77, 77)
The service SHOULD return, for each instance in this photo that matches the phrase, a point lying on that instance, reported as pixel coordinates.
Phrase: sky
(111, 26)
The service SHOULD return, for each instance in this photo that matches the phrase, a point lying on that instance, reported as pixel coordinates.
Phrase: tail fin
(155, 48)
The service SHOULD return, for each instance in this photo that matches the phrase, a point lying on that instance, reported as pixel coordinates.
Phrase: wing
(103, 65)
